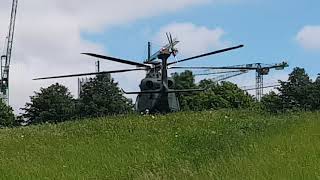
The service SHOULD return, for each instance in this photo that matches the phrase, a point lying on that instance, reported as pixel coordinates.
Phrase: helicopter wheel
(145, 112)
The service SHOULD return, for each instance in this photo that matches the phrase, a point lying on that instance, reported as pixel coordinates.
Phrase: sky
(51, 34)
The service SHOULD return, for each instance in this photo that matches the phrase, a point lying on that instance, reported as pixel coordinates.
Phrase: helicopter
(157, 93)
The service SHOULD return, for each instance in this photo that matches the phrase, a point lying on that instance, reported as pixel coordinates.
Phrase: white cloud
(309, 37)
(193, 39)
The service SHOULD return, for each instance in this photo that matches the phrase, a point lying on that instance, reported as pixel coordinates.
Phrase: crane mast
(6, 58)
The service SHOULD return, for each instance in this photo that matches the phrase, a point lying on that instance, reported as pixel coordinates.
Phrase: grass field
(205, 145)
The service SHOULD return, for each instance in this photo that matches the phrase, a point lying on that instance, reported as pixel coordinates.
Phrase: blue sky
(268, 29)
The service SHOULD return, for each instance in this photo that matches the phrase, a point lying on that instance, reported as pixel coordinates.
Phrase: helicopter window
(149, 84)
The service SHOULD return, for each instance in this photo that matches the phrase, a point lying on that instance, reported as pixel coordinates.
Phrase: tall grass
(204, 145)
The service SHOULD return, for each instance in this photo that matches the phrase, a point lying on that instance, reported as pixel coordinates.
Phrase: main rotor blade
(207, 54)
(88, 74)
(141, 92)
(117, 60)
(168, 38)
(208, 68)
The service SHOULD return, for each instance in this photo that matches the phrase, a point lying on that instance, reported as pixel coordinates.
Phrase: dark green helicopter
(157, 93)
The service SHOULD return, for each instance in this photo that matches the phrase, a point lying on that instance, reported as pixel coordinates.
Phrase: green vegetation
(101, 96)
(51, 105)
(6, 115)
(221, 144)
(298, 93)
(205, 145)
(217, 96)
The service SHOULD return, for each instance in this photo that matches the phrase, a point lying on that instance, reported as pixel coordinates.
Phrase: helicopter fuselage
(158, 100)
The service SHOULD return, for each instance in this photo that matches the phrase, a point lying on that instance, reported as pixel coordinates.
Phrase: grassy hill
(205, 145)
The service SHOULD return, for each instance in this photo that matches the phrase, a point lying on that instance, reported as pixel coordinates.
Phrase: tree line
(101, 96)
(299, 92)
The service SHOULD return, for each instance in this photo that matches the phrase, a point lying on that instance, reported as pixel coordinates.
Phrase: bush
(7, 118)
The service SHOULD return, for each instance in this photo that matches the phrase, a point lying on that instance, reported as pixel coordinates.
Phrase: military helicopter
(157, 93)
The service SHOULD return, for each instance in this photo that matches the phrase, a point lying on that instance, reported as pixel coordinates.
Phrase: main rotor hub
(164, 54)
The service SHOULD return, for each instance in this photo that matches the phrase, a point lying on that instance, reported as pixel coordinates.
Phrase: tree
(272, 102)
(184, 80)
(6, 115)
(315, 94)
(101, 96)
(296, 93)
(228, 92)
(205, 101)
(217, 96)
(53, 104)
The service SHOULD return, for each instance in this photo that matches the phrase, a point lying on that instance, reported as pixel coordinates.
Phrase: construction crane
(6, 58)
(222, 75)
(260, 69)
